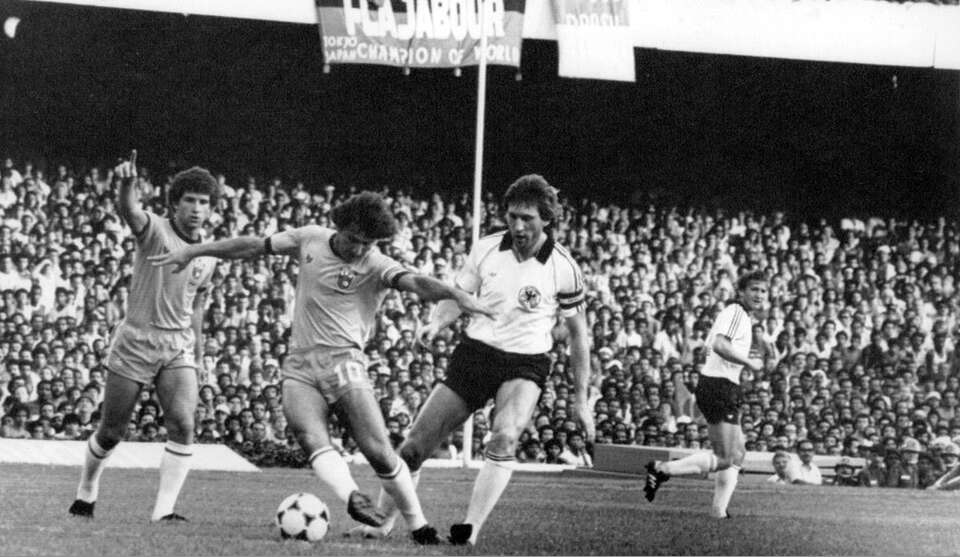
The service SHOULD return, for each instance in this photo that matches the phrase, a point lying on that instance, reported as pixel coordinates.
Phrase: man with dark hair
(730, 348)
(531, 281)
(159, 339)
(343, 279)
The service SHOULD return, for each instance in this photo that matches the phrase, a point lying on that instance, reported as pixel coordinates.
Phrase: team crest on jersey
(197, 272)
(345, 278)
(309, 258)
(529, 297)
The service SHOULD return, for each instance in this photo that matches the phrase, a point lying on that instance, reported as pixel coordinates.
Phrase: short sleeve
(733, 322)
(149, 237)
(468, 278)
(388, 269)
(289, 241)
(570, 288)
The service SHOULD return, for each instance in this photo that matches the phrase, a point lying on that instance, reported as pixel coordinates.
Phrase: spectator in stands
(782, 469)
(844, 473)
(807, 472)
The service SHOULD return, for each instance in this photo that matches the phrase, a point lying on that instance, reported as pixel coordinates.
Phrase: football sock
(492, 479)
(696, 463)
(332, 470)
(93, 463)
(399, 484)
(388, 507)
(726, 482)
(174, 467)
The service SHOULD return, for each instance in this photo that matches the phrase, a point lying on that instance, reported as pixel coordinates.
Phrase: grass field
(540, 514)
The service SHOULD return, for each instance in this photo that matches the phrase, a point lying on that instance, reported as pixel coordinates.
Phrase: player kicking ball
(718, 397)
(343, 278)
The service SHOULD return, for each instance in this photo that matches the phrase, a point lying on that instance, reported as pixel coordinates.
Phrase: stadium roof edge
(918, 34)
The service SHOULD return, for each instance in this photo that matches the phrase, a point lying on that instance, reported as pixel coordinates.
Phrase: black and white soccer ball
(303, 516)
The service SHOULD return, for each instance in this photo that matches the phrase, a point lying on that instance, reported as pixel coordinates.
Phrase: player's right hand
(425, 334)
(755, 364)
(127, 169)
(178, 257)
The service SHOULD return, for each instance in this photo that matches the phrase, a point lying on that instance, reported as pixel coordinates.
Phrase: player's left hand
(584, 415)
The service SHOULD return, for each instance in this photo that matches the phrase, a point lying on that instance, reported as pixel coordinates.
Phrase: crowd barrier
(126, 455)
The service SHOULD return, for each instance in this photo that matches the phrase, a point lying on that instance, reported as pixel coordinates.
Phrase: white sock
(696, 463)
(388, 507)
(403, 491)
(94, 460)
(492, 479)
(332, 470)
(174, 467)
(726, 482)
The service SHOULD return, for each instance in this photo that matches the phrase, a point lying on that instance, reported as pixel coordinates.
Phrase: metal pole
(477, 182)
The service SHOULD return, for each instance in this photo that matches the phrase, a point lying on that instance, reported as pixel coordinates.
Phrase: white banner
(594, 39)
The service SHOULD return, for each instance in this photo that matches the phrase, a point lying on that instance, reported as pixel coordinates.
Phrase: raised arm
(128, 196)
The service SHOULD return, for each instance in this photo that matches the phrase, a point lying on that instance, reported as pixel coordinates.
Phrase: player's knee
(412, 453)
(503, 441)
(109, 437)
(180, 430)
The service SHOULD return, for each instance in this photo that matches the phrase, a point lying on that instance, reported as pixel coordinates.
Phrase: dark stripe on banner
(401, 7)
(169, 450)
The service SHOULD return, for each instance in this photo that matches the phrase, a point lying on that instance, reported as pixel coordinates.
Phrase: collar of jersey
(542, 256)
(181, 233)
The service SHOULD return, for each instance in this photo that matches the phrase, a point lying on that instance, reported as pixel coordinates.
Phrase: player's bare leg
(443, 412)
(177, 391)
(366, 420)
(120, 397)
(514, 406)
(306, 411)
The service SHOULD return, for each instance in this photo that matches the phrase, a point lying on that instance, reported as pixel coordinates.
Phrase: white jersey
(336, 302)
(734, 323)
(526, 295)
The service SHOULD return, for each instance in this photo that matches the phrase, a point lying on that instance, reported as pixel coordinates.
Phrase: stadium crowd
(858, 342)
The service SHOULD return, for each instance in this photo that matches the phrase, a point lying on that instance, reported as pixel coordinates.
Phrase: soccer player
(158, 341)
(718, 396)
(342, 280)
(529, 280)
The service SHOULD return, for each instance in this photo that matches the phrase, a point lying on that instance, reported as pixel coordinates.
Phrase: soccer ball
(303, 516)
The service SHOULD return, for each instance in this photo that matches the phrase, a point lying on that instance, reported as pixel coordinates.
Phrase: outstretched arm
(243, 247)
(431, 289)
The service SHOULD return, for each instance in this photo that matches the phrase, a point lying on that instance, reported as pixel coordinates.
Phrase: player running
(718, 396)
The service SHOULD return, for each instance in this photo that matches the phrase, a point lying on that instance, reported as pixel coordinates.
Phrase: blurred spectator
(807, 472)
(782, 472)
(859, 343)
(845, 473)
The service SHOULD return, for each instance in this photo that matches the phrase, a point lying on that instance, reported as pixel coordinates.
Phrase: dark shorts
(719, 400)
(477, 370)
